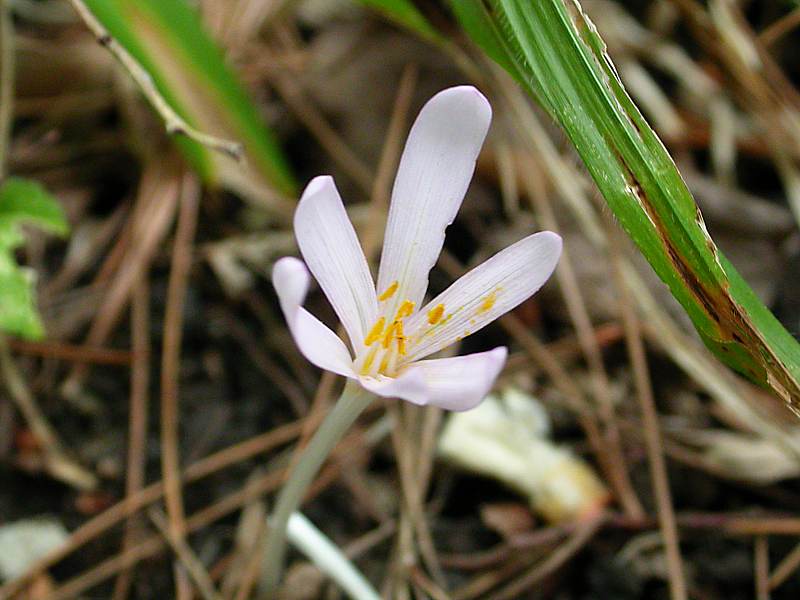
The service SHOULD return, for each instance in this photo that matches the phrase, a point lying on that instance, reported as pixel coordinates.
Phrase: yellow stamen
(399, 335)
(401, 345)
(385, 362)
(369, 360)
(488, 303)
(389, 292)
(405, 310)
(387, 339)
(435, 314)
(376, 331)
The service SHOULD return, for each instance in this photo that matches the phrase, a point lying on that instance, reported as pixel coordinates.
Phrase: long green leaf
(168, 39)
(556, 52)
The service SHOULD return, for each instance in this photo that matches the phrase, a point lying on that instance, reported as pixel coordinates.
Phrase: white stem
(328, 557)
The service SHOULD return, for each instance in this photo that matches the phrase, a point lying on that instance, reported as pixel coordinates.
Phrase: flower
(389, 328)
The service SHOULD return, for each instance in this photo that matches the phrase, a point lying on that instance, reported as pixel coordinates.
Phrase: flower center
(386, 342)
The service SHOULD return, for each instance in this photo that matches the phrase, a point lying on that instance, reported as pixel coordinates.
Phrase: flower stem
(353, 401)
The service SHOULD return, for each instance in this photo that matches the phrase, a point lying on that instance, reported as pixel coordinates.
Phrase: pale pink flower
(389, 328)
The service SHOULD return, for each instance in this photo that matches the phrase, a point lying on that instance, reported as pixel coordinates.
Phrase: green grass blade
(168, 39)
(564, 63)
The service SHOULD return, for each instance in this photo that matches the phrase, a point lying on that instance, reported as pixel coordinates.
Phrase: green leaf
(168, 39)
(23, 202)
(405, 14)
(564, 63)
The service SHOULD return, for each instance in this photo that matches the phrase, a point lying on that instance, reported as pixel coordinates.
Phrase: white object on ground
(24, 542)
(304, 535)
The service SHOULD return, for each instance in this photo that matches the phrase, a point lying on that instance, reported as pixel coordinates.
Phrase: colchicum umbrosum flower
(390, 329)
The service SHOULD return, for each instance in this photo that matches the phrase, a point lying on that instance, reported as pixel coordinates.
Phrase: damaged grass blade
(168, 40)
(552, 48)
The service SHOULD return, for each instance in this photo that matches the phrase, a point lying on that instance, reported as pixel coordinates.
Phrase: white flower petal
(458, 383)
(318, 344)
(410, 385)
(485, 293)
(433, 176)
(333, 254)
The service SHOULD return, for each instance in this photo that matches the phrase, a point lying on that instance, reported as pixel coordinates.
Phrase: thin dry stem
(387, 164)
(554, 561)
(56, 460)
(171, 352)
(780, 27)
(174, 123)
(785, 568)
(156, 202)
(652, 431)
(7, 59)
(576, 305)
(761, 567)
(139, 409)
(188, 559)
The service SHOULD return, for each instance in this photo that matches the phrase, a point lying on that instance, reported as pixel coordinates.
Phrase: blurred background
(163, 355)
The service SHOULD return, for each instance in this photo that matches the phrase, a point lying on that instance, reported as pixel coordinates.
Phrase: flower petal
(458, 383)
(434, 173)
(333, 254)
(485, 293)
(317, 343)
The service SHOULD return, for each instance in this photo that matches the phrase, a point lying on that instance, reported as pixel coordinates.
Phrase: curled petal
(458, 383)
(433, 176)
(318, 344)
(485, 293)
(333, 254)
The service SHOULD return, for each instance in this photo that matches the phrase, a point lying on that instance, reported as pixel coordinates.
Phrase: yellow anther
(389, 292)
(394, 332)
(435, 314)
(405, 310)
(389, 336)
(376, 331)
(488, 303)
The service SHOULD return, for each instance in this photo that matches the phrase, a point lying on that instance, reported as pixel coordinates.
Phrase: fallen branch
(173, 121)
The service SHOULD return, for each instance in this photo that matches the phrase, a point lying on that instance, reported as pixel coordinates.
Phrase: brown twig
(761, 567)
(174, 123)
(287, 85)
(785, 568)
(56, 460)
(137, 434)
(202, 518)
(73, 353)
(7, 59)
(652, 431)
(156, 201)
(780, 27)
(171, 351)
(553, 562)
(185, 554)
(387, 164)
(576, 305)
